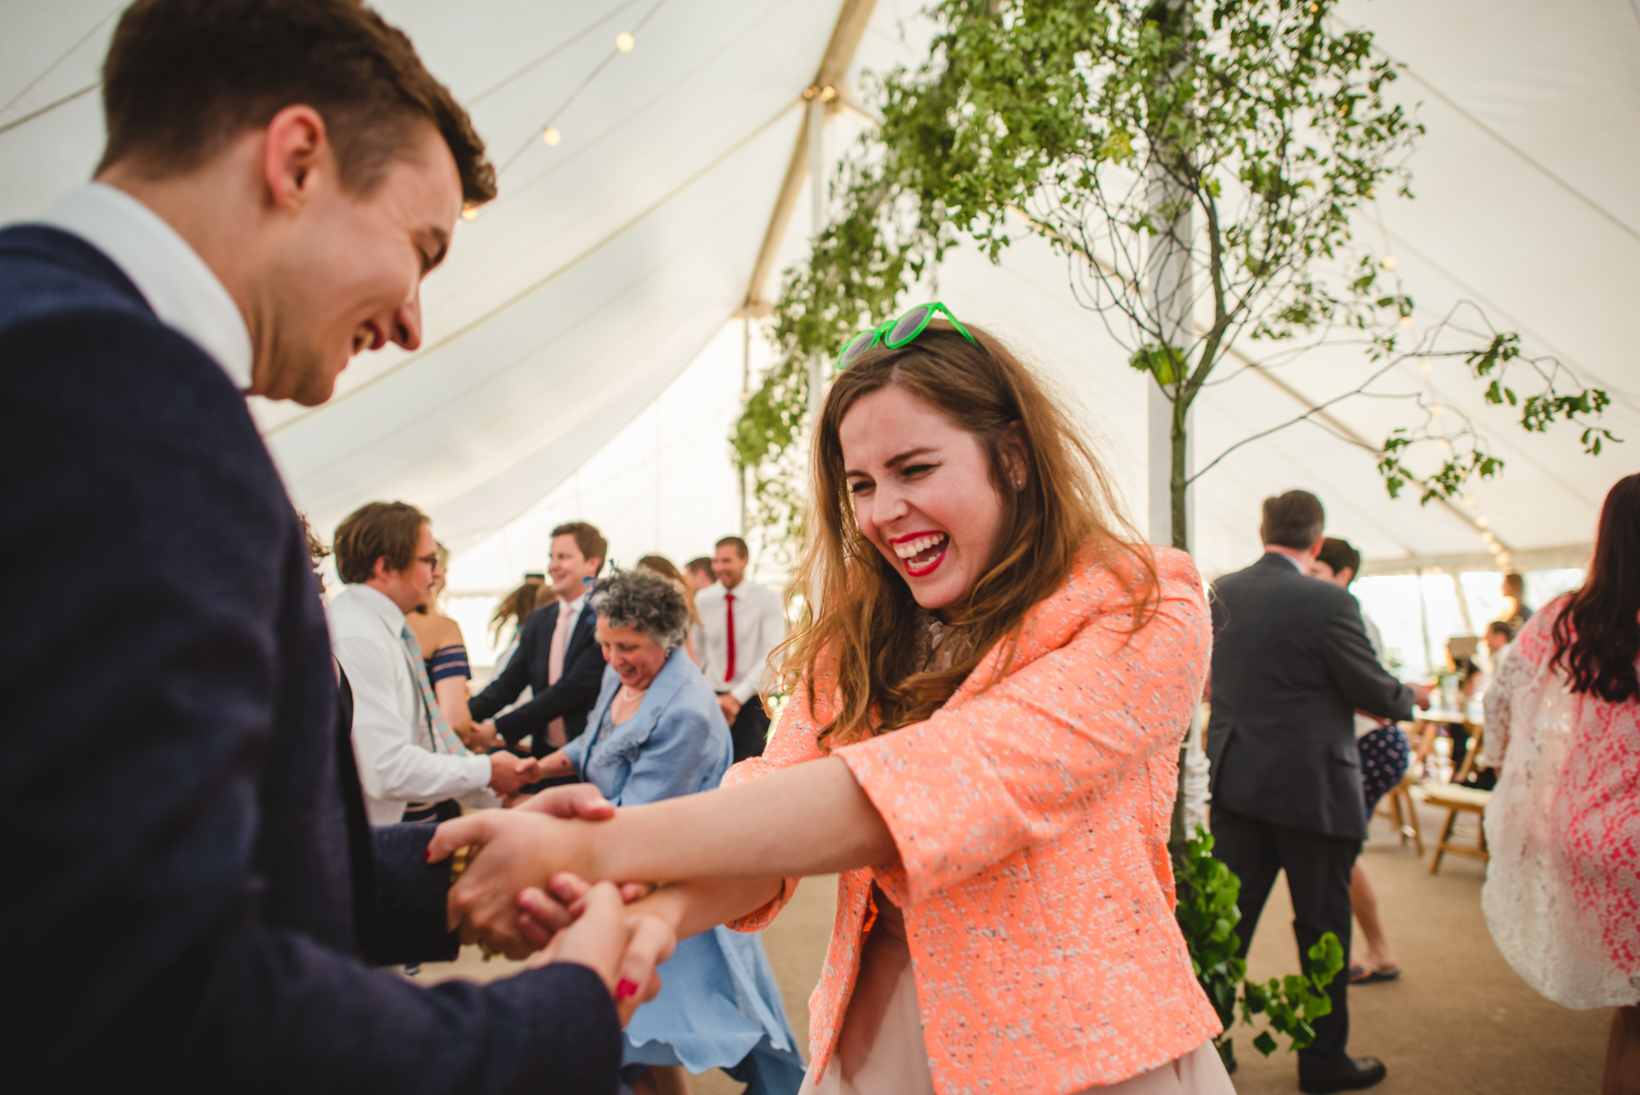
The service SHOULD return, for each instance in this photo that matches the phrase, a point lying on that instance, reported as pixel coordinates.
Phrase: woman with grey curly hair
(657, 732)
(646, 602)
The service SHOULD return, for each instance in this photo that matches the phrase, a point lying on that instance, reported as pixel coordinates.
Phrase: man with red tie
(744, 622)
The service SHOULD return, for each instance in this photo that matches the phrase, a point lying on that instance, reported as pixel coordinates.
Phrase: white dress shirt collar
(569, 612)
(379, 604)
(1298, 566)
(179, 287)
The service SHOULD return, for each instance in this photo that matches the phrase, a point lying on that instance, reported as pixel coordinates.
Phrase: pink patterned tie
(557, 736)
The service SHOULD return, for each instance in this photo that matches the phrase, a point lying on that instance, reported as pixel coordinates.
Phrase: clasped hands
(509, 773)
(523, 893)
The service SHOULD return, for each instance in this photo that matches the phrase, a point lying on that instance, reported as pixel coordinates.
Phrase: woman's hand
(477, 893)
(623, 950)
(543, 913)
(511, 851)
(554, 766)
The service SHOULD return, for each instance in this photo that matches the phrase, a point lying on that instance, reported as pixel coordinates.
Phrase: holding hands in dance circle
(623, 950)
(484, 901)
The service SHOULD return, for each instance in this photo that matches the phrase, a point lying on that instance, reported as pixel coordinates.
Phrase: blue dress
(719, 1005)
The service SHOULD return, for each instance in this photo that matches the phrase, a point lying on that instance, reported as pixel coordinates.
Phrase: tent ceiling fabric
(613, 258)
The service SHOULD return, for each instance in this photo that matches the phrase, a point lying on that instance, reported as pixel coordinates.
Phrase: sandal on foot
(1367, 975)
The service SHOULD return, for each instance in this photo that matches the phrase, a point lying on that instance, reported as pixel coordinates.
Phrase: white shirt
(760, 626)
(397, 764)
(179, 287)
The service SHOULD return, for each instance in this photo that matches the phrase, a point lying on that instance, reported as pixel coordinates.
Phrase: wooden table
(1426, 727)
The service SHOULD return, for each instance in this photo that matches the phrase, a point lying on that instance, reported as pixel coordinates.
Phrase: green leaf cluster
(1239, 137)
(1207, 916)
(1493, 361)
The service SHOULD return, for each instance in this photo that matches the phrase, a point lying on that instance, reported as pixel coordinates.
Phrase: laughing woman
(986, 709)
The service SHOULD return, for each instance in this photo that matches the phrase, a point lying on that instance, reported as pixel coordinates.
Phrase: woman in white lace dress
(1562, 895)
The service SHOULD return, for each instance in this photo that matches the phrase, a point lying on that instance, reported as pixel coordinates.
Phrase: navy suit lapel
(582, 635)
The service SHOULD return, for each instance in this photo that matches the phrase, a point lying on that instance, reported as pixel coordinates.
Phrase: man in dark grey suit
(1291, 664)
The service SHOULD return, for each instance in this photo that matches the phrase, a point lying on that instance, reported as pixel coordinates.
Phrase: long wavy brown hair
(1597, 635)
(861, 619)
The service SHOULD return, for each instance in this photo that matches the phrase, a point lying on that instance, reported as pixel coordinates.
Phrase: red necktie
(729, 670)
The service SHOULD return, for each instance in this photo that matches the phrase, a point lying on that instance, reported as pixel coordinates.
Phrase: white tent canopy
(573, 307)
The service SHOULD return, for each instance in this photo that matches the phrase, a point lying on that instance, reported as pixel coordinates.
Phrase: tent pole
(745, 391)
(658, 550)
(1463, 604)
(817, 193)
(1168, 274)
(845, 39)
(1168, 279)
(1423, 620)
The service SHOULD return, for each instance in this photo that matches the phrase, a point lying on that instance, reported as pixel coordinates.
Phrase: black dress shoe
(1352, 1074)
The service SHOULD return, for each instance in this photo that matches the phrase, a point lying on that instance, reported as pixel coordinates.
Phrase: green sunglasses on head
(898, 332)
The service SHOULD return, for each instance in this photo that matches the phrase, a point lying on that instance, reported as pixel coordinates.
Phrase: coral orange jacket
(1031, 818)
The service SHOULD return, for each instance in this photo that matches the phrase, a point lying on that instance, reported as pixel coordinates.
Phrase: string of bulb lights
(550, 135)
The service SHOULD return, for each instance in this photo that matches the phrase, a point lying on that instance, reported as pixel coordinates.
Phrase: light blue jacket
(719, 1004)
(676, 744)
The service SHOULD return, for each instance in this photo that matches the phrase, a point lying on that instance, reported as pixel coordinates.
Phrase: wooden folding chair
(1458, 799)
(1402, 812)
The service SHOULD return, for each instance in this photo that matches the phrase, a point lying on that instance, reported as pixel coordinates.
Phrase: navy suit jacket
(181, 908)
(570, 699)
(1291, 663)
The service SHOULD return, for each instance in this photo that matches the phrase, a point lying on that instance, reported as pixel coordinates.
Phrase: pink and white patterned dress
(1562, 895)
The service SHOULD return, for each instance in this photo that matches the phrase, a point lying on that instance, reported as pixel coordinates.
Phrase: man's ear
(296, 151)
(1315, 548)
(1348, 574)
(382, 568)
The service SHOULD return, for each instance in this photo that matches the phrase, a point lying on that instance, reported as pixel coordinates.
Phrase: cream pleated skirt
(881, 1049)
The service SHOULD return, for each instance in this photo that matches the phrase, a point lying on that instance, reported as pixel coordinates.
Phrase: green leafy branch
(1560, 398)
(1239, 137)
(1207, 914)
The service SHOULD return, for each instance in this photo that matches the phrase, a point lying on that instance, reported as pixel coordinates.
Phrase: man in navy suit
(192, 877)
(557, 656)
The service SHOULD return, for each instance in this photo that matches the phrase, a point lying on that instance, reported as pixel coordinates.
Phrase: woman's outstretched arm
(688, 908)
(812, 818)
